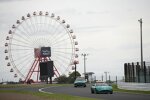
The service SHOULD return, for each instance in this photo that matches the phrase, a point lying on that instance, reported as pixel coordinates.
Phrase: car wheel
(111, 92)
(84, 85)
(92, 91)
(75, 86)
(95, 92)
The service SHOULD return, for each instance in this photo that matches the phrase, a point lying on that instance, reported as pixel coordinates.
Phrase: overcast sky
(108, 30)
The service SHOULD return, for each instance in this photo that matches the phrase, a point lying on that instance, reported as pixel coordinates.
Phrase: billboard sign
(45, 51)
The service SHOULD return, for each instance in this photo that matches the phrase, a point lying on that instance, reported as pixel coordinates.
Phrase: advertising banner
(45, 51)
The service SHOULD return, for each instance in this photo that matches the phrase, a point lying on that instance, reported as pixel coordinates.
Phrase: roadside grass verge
(48, 96)
(30, 85)
(115, 88)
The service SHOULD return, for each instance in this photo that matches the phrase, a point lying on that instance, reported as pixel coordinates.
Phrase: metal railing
(134, 86)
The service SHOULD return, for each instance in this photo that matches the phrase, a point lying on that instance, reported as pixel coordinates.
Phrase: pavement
(85, 92)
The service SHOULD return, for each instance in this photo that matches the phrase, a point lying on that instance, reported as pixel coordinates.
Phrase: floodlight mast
(84, 55)
(141, 42)
(106, 75)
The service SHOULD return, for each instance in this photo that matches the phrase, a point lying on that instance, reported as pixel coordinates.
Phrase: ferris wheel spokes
(38, 30)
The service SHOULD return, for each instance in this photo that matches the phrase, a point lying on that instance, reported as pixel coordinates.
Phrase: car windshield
(80, 79)
(101, 84)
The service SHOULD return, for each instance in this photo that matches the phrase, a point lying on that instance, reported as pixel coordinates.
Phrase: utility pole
(102, 78)
(109, 79)
(141, 42)
(84, 55)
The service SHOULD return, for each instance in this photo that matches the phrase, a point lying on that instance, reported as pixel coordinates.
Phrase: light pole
(102, 78)
(141, 42)
(84, 55)
(106, 75)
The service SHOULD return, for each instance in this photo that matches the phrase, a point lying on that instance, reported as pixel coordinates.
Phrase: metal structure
(135, 73)
(106, 73)
(29, 35)
(140, 21)
(89, 76)
(84, 55)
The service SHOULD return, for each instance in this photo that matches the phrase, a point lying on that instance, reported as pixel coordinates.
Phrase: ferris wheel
(34, 31)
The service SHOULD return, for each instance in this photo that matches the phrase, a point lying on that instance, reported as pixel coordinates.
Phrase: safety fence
(134, 86)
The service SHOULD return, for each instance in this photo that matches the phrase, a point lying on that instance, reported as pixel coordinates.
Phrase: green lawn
(30, 85)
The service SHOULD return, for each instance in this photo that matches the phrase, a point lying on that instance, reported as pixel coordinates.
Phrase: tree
(65, 79)
(71, 77)
(62, 79)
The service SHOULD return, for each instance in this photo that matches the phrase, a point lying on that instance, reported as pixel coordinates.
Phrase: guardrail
(134, 86)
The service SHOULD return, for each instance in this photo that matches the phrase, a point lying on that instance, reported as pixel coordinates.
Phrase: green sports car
(101, 88)
(80, 82)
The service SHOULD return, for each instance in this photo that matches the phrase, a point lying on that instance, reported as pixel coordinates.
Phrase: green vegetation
(70, 79)
(31, 85)
(115, 88)
(48, 96)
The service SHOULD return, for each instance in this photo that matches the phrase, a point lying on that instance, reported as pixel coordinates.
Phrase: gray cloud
(69, 11)
(93, 28)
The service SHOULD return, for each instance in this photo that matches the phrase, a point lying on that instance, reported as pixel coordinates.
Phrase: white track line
(42, 89)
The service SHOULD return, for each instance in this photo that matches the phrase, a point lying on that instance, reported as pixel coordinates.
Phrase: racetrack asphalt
(85, 92)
